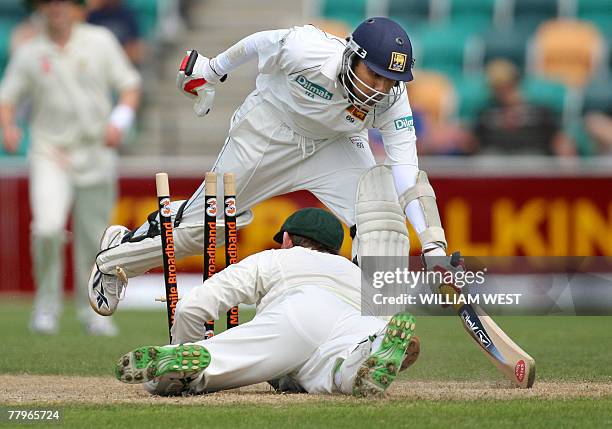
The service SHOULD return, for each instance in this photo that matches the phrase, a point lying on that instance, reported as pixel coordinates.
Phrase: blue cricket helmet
(384, 47)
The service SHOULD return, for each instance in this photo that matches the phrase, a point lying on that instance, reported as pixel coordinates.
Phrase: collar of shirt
(331, 67)
(74, 34)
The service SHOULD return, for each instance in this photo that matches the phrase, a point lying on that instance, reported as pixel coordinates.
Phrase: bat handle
(455, 259)
(193, 56)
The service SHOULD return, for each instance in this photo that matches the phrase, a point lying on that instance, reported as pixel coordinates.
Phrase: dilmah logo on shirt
(313, 89)
(404, 123)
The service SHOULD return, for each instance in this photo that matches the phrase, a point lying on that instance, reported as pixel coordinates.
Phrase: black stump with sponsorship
(210, 237)
(167, 240)
(231, 235)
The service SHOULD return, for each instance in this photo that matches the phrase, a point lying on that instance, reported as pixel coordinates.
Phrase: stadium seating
(508, 44)
(6, 26)
(544, 92)
(331, 26)
(472, 95)
(477, 13)
(443, 48)
(568, 50)
(147, 12)
(528, 14)
(413, 14)
(598, 97)
(599, 12)
(13, 10)
(352, 12)
(433, 94)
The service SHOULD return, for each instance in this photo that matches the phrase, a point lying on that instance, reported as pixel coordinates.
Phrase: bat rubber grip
(193, 56)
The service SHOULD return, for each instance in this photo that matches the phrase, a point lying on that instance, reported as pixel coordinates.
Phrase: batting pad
(381, 223)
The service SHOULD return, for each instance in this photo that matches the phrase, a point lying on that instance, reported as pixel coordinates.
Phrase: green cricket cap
(314, 223)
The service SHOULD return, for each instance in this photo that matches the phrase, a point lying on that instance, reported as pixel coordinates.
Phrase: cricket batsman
(308, 333)
(304, 127)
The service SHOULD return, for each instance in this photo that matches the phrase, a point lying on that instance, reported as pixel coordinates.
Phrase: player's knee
(47, 230)
(186, 311)
(186, 319)
(189, 239)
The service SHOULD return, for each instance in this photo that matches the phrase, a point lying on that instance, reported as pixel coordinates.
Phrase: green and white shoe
(147, 363)
(379, 369)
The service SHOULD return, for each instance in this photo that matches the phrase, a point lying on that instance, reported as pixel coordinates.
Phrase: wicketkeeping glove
(196, 79)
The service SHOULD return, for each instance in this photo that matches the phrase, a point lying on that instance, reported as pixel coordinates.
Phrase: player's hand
(11, 137)
(196, 79)
(436, 260)
(114, 136)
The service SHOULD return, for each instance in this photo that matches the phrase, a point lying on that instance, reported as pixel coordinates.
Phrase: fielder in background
(308, 331)
(69, 71)
(304, 127)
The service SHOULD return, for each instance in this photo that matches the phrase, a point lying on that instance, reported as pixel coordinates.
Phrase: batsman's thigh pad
(424, 194)
(380, 221)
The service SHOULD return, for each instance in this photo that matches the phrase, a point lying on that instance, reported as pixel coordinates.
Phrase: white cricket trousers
(269, 159)
(56, 191)
(304, 334)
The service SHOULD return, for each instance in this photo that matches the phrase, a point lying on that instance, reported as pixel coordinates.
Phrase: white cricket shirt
(71, 87)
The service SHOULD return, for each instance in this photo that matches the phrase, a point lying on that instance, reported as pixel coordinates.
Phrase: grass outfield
(391, 414)
(568, 350)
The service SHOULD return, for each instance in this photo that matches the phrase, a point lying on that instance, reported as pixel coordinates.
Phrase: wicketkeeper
(308, 333)
(304, 127)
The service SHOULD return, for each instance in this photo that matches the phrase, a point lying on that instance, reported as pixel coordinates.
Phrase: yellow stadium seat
(569, 51)
(433, 94)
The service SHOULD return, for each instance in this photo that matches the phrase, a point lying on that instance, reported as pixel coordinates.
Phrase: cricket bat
(507, 356)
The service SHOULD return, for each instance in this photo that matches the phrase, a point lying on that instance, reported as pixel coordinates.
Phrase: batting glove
(196, 79)
(436, 260)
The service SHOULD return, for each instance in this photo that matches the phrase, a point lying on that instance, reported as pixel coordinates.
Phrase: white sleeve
(123, 75)
(16, 83)
(264, 45)
(404, 177)
(236, 284)
(397, 129)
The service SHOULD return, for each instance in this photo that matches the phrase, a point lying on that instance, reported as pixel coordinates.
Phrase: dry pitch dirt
(27, 389)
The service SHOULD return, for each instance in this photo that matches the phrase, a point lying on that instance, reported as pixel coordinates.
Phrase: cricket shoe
(99, 326)
(106, 290)
(379, 369)
(148, 363)
(412, 353)
(44, 324)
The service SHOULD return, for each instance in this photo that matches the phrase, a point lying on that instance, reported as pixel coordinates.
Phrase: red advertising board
(486, 215)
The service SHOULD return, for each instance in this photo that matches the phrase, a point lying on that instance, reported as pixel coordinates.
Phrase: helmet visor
(368, 98)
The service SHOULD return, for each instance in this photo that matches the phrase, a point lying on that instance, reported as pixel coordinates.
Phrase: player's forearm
(245, 50)
(405, 177)
(124, 112)
(130, 98)
(234, 285)
(191, 315)
(206, 302)
(7, 115)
